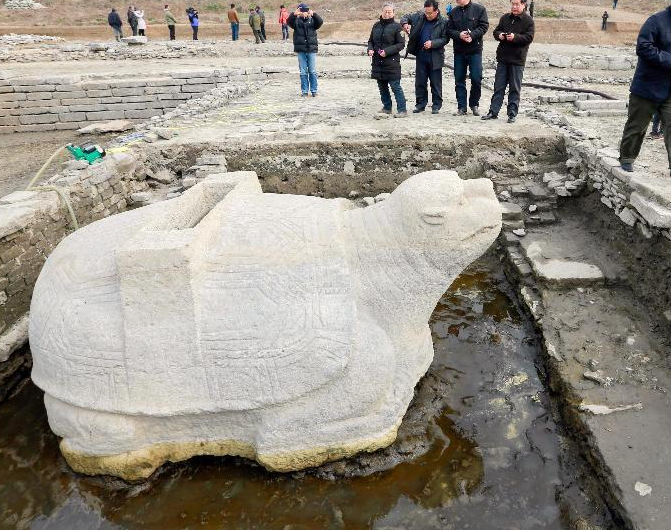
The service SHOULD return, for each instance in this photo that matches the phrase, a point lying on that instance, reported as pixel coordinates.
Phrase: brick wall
(30, 104)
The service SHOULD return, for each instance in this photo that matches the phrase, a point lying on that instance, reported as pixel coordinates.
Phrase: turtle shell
(272, 303)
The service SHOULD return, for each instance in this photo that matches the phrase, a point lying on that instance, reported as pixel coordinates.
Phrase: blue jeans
(474, 64)
(285, 32)
(656, 123)
(396, 87)
(235, 30)
(307, 67)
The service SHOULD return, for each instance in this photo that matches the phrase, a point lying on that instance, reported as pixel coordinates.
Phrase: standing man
(170, 20)
(255, 24)
(384, 48)
(467, 25)
(428, 37)
(132, 19)
(114, 20)
(284, 16)
(515, 32)
(234, 21)
(650, 88)
(615, 4)
(305, 24)
(262, 16)
(194, 20)
(604, 21)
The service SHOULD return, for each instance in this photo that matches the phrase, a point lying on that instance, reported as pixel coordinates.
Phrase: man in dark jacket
(132, 19)
(650, 88)
(428, 37)
(467, 25)
(384, 48)
(114, 20)
(305, 24)
(515, 32)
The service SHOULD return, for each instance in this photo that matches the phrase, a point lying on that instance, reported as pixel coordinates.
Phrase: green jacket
(170, 20)
(255, 21)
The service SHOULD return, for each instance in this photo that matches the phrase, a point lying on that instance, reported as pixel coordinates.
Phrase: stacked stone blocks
(32, 104)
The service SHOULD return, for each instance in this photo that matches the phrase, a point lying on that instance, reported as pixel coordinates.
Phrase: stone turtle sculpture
(287, 329)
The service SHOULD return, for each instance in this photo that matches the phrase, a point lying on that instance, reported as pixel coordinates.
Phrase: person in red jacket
(284, 16)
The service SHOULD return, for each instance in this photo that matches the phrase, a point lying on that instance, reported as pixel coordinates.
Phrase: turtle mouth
(482, 230)
(434, 216)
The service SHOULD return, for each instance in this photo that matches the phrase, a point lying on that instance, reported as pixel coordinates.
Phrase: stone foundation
(31, 104)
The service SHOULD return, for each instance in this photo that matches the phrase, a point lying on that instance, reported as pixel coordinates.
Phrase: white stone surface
(561, 272)
(289, 329)
(15, 337)
(654, 213)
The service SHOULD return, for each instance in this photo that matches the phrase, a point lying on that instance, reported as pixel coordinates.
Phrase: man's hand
(310, 13)
(427, 45)
(502, 36)
(510, 37)
(371, 53)
(406, 28)
(383, 53)
(297, 12)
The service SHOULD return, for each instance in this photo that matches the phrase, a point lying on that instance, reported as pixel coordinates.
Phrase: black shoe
(385, 111)
(490, 116)
(434, 110)
(512, 119)
(627, 166)
(475, 111)
(417, 110)
(461, 112)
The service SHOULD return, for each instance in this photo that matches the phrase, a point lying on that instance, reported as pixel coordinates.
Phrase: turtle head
(448, 217)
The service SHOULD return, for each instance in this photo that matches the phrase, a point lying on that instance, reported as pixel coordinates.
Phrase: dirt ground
(23, 154)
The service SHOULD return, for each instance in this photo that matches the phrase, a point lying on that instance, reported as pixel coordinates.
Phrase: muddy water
(478, 451)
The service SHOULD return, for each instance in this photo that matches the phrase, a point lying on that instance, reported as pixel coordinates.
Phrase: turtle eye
(434, 215)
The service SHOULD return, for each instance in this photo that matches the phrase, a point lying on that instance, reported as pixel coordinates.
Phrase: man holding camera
(515, 32)
(305, 24)
(428, 37)
(467, 25)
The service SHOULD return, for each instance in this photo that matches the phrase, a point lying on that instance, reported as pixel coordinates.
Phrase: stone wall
(32, 223)
(30, 104)
(636, 198)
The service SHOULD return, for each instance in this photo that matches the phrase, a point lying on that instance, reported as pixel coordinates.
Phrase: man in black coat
(305, 24)
(114, 20)
(467, 25)
(650, 88)
(515, 32)
(384, 48)
(428, 37)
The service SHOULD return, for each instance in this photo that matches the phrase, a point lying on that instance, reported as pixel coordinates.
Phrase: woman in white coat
(141, 24)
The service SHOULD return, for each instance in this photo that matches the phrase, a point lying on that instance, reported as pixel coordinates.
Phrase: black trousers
(171, 29)
(640, 113)
(133, 28)
(263, 31)
(195, 32)
(424, 73)
(141, 32)
(507, 75)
